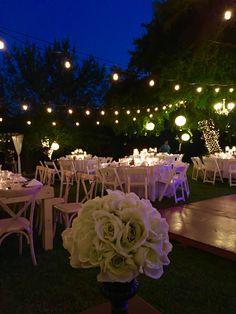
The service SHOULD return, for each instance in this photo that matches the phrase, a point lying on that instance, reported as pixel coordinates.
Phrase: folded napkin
(34, 182)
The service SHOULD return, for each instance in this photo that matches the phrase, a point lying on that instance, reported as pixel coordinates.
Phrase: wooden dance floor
(209, 225)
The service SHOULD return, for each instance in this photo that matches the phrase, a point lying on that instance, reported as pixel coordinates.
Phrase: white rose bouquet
(121, 234)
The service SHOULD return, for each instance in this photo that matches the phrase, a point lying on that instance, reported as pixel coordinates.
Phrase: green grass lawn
(195, 281)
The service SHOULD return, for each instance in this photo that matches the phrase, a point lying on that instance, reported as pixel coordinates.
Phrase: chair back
(40, 173)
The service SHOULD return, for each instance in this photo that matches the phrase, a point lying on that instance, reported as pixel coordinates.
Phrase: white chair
(173, 181)
(110, 179)
(198, 168)
(212, 171)
(232, 173)
(21, 221)
(137, 177)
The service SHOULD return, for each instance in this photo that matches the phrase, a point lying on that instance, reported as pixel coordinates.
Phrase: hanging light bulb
(67, 64)
(49, 110)
(28, 122)
(2, 45)
(134, 119)
(102, 112)
(77, 123)
(116, 121)
(151, 83)
(116, 113)
(177, 87)
(231, 90)
(138, 111)
(217, 89)
(54, 123)
(115, 76)
(199, 89)
(98, 122)
(128, 112)
(87, 112)
(25, 107)
(1, 119)
(227, 15)
(70, 111)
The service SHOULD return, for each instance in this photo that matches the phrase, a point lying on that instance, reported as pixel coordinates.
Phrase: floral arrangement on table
(121, 234)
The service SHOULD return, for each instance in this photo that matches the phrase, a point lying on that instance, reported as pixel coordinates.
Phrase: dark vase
(119, 293)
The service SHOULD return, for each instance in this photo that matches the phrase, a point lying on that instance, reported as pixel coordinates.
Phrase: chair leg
(31, 241)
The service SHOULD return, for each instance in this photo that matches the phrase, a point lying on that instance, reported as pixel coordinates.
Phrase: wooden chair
(84, 188)
(21, 221)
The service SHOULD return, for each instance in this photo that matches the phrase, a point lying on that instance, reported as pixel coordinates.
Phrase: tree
(187, 43)
(38, 78)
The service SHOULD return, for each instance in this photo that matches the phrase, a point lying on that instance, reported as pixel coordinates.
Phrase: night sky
(104, 28)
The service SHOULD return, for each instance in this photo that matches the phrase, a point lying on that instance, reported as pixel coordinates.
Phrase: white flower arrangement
(121, 234)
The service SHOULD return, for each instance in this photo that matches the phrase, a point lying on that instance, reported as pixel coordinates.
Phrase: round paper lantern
(180, 120)
(150, 126)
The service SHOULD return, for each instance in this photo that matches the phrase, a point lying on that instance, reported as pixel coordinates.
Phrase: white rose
(135, 231)
(107, 225)
(117, 268)
(149, 262)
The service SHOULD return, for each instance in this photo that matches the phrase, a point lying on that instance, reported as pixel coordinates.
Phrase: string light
(25, 107)
(134, 119)
(116, 113)
(177, 87)
(128, 112)
(116, 121)
(231, 90)
(115, 77)
(2, 45)
(97, 122)
(70, 111)
(49, 110)
(1, 119)
(87, 112)
(217, 89)
(28, 122)
(148, 109)
(151, 83)
(211, 136)
(67, 64)
(77, 123)
(164, 107)
(54, 123)
(151, 115)
(102, 112)
(199, 89)
(228, 15)
(156, 109)
(138, 111)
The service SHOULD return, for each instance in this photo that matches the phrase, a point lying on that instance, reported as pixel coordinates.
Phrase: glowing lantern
(180, 120)
(150, 126)
(185, 137)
